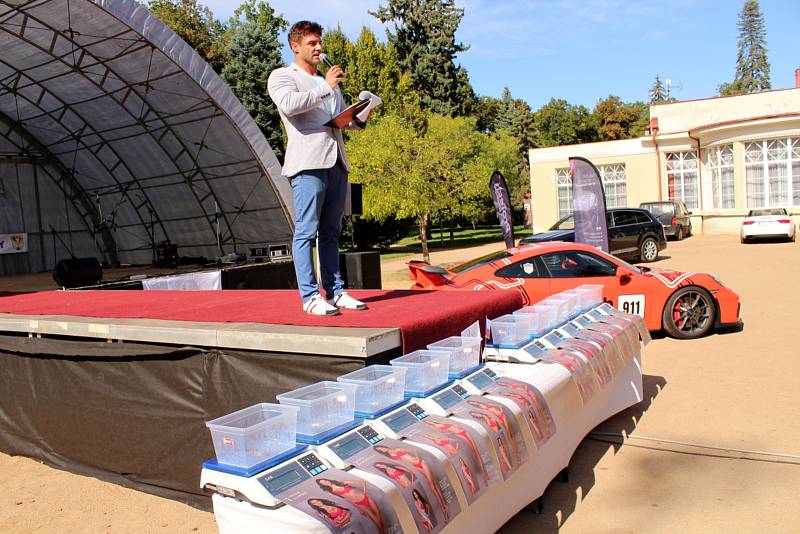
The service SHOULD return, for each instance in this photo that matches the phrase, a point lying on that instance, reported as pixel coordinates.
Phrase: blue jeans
(319, 197)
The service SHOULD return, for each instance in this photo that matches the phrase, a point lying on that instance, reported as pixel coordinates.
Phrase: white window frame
(723, 182)
(683, 167)
(761, 160)
(563, 192)
(615, 186)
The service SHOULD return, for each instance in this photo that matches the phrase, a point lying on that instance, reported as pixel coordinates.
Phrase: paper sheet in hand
(346, 117)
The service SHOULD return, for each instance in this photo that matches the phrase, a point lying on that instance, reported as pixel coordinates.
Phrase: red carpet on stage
(422, 316)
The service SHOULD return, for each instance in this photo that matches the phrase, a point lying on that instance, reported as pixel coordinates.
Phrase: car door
(624, 240)
(628, 292)
(536, 283)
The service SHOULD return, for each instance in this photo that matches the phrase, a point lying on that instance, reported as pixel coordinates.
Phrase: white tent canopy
(116, 136)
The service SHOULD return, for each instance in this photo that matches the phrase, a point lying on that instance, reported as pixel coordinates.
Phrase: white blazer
(304, 106)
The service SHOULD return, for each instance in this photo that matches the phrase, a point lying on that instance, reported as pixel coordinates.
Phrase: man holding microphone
(316, 165)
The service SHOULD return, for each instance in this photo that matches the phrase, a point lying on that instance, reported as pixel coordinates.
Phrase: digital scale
(529, 351)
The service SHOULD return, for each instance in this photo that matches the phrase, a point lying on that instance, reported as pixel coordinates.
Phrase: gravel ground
(731, 391)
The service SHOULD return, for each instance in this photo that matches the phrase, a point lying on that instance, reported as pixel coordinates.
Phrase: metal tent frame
(117, 108)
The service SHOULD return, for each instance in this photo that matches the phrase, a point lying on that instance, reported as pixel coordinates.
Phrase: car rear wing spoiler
(425, 275)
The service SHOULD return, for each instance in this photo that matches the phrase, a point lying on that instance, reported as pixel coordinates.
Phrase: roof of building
(141, 126)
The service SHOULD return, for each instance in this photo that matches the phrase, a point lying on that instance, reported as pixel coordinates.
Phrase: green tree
(253, 52)
(560, 123)
(196, 25)
(426, 48)
(616, 119)
(658, 93)
(752, 67)
(442, 173)
(516, 116)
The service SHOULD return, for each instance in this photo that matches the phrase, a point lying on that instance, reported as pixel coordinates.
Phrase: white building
(722, 156)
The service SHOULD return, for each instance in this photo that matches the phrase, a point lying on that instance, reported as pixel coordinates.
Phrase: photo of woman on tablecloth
(530, 414)
(454, 447)
(416, 461)
(355, 492)
(505, 419)
(396, 473)
(457, 430)
(542, 409)
(333, 514)
(423, 510)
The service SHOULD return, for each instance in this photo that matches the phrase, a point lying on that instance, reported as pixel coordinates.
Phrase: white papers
(374, 101)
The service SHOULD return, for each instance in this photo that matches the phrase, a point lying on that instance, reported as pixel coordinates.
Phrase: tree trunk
(422, 222)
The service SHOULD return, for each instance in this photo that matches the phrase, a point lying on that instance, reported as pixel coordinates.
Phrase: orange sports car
(686, 305)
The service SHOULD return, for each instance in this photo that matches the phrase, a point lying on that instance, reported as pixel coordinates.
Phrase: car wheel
(689, 231)
(679, 235)
(689, 313)
(743, 240)
(648, 250)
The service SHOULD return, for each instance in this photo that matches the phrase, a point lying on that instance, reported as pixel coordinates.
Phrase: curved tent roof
(142, 136)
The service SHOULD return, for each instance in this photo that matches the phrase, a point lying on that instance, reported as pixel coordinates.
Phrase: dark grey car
(632, 234)
(673, 215)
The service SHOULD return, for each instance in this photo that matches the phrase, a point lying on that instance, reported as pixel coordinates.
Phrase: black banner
(588, 204)
(502, 205)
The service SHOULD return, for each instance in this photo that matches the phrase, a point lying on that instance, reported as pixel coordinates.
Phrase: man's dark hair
(303, 28)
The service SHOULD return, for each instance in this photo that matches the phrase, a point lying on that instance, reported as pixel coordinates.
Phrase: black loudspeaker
(352, 204)
(361, 270)
(78, 272)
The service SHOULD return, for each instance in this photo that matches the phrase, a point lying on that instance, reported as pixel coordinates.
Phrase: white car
(767, 222)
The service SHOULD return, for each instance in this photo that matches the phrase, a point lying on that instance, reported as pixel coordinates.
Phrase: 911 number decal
(633, 304)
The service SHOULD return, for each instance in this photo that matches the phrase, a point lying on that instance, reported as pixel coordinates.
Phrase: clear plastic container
(465, 352)
(379, 386)
(511, 330)
(591, 295)
(323, 406)
(562, 305)
(425, 369)
(540, 317)
(548, 314)
(574, 300)
(254, 434)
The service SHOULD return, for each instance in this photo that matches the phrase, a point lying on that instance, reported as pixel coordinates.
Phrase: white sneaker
(317, 305)
(343, 300)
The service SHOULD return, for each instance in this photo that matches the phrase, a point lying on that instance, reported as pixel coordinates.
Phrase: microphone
(325, 59)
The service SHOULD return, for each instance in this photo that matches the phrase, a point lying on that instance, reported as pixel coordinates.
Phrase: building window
(772, 173)
(723, 189)
(614, 184)
(564, 186)
(682, 181)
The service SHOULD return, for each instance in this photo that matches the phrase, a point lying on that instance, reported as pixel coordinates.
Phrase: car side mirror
(624, 275)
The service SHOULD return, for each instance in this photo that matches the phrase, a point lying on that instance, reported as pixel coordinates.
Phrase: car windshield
(658, 209)
(621, 262)
(494, 256)
(767, 211)
(565, 223)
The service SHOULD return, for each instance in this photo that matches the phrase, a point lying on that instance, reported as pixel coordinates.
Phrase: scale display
(583, 321)
(447, 399)
(406, 417)
(570, 329)
(284, 478)
(533, 349)
(596, 314)
(554, 338)
(480, 380)
(349, 445)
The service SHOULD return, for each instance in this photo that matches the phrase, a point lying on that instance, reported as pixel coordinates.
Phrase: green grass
(462, 237)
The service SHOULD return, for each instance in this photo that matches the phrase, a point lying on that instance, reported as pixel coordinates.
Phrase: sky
(585, 50)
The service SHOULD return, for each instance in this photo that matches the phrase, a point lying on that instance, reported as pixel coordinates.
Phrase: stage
(119, 384)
